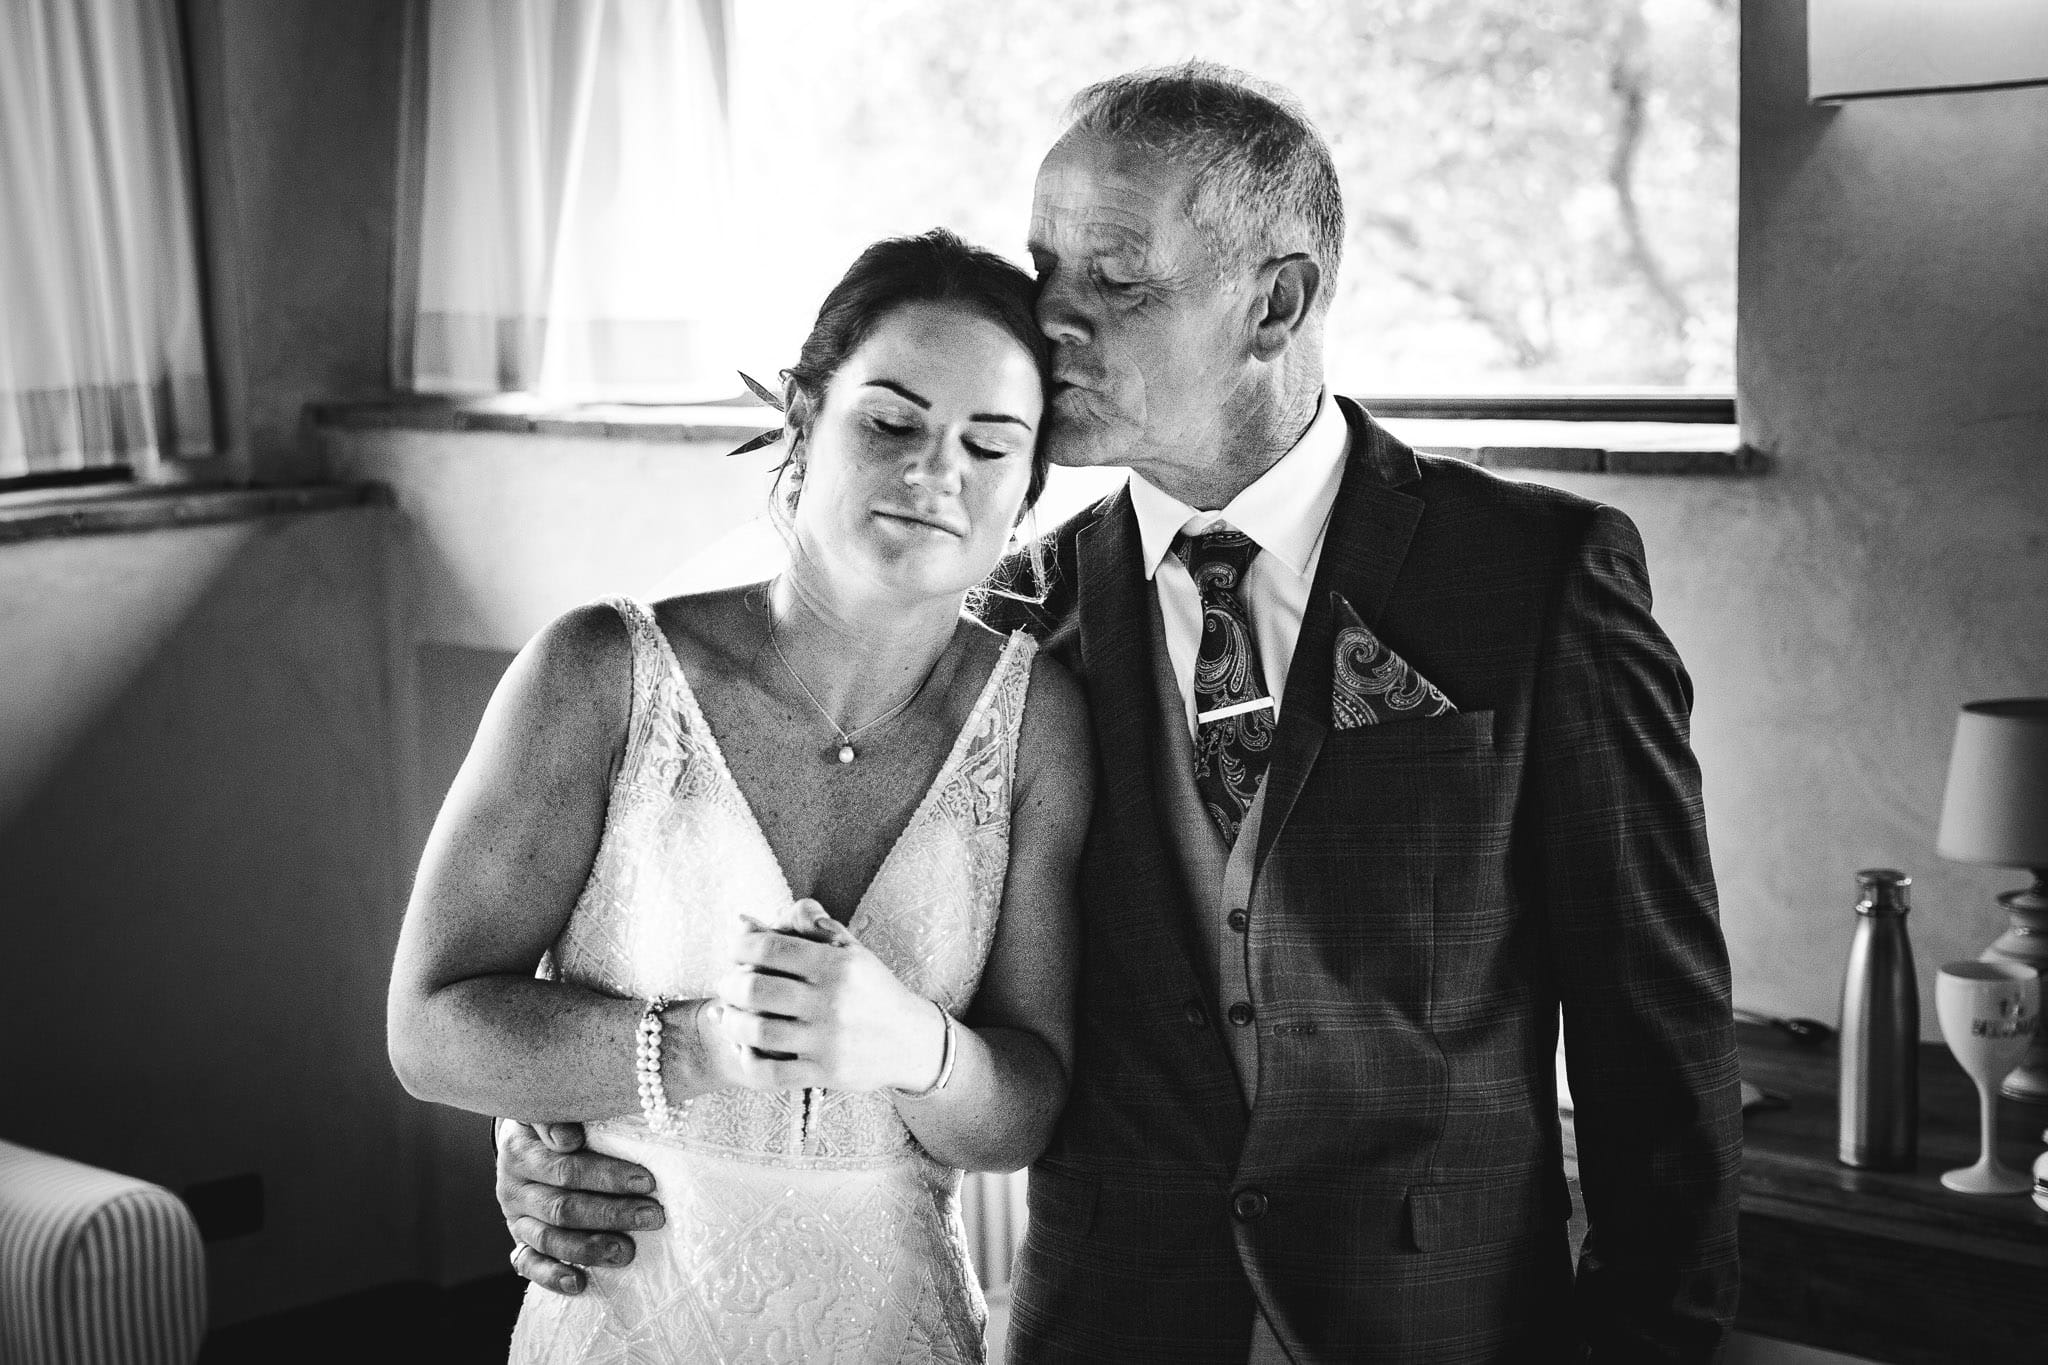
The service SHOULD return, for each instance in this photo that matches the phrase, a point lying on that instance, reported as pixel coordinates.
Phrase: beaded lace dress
(802, 1225)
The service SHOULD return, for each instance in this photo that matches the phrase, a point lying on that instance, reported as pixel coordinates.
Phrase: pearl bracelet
(948, 1051)
(647, 1068)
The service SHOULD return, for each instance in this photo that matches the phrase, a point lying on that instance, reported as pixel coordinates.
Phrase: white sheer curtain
(574, 200)
(102, 357)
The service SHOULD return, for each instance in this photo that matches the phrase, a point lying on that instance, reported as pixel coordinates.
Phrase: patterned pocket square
(1370, 683)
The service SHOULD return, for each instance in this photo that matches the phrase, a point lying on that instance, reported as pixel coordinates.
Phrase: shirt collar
(1285, 509)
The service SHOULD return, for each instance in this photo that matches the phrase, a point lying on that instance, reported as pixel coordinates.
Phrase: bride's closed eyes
(900, 426)
(907, 424)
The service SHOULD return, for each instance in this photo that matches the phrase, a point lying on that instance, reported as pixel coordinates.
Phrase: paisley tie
(1233, 712)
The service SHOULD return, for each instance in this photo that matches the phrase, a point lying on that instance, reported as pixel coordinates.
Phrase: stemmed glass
(1988, 1012)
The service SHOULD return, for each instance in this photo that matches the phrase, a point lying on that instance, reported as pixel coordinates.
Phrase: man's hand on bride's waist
(566, 1207)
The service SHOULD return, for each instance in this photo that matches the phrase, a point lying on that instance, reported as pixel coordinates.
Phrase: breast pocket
(1399, 787)
(1462, 732)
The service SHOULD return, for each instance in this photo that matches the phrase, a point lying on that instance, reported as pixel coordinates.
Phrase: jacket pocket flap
(1444, 1217)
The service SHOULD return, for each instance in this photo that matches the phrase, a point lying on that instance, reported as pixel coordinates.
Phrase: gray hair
(1264, 184)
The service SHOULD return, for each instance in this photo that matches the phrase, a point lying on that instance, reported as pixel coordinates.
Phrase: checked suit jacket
(1429, 893)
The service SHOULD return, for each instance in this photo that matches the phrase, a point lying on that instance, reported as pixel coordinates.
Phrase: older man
(1393, 764)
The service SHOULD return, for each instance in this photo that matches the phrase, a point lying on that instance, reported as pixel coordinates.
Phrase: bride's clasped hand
(811, 1007)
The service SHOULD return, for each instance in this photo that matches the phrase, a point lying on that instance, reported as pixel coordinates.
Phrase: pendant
(846, 753)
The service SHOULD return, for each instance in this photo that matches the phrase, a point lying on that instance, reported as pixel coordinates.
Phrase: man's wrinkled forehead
(1099, 198)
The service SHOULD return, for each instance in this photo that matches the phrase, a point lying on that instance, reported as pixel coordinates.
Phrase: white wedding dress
(802, 1225)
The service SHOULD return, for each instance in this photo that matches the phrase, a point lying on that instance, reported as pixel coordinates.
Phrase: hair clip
(773, 400)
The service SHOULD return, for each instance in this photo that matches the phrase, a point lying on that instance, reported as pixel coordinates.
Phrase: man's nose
(1060, 315)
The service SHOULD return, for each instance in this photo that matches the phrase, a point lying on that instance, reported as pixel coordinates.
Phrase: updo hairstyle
(933, 267)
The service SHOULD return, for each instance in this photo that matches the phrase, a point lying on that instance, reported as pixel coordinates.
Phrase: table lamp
(1995, 811)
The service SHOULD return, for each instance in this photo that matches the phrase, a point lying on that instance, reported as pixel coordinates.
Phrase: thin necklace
(845, 753)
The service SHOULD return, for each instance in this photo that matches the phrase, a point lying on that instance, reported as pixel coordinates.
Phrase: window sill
(520, 413)
(103, 509)
(1579, 447)
(1579, 444)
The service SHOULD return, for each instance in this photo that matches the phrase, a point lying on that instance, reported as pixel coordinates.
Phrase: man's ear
(1288, 287)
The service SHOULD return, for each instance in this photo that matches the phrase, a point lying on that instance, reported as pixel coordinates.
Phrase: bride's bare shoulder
(718, 630)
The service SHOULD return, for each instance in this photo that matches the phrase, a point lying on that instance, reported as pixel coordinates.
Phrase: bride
(795, 862)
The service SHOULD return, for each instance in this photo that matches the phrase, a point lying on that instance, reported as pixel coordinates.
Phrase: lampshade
(1996, 807)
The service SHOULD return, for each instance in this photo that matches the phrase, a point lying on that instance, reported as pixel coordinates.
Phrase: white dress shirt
(1286, 510)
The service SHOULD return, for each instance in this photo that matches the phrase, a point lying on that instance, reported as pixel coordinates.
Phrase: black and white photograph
(1023, 682)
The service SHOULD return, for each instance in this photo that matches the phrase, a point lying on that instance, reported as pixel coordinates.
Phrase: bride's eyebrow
(926, 403)
(897, 389)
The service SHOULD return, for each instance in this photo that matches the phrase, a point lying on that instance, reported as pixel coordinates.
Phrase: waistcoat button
(1237, 919)
(1249, 1205)
(1240, 1014)
(1196, 1016)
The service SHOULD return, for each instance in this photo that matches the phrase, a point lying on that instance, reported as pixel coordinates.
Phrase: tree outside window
(1541, 193)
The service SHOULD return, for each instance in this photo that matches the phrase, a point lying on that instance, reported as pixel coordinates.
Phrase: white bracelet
(948, 1051)
(647, 1068)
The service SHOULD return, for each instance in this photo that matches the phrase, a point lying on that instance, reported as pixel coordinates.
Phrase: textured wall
(1894, 564)
(505, 532)
(197, 887)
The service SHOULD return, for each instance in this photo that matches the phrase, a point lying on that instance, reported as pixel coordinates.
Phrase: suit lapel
(1371, 524)
(1115, 604)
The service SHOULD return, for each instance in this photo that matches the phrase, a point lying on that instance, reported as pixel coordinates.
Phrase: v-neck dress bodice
(804, 1225)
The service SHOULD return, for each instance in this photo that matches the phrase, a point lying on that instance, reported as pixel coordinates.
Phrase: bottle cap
(1883, 891)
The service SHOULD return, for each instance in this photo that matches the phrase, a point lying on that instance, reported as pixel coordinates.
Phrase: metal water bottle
(1880, 1087)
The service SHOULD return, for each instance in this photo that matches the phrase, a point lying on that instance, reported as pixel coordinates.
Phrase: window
(574, 206)
(102, 360)
(1541, 193)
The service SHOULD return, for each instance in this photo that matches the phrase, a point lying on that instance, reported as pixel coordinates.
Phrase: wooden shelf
(1888, 1265)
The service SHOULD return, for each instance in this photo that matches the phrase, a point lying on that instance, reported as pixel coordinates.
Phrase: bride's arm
(469, 1025)
(1012, 1063)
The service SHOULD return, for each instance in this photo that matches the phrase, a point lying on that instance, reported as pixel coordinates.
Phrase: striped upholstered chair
(95, 1267)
